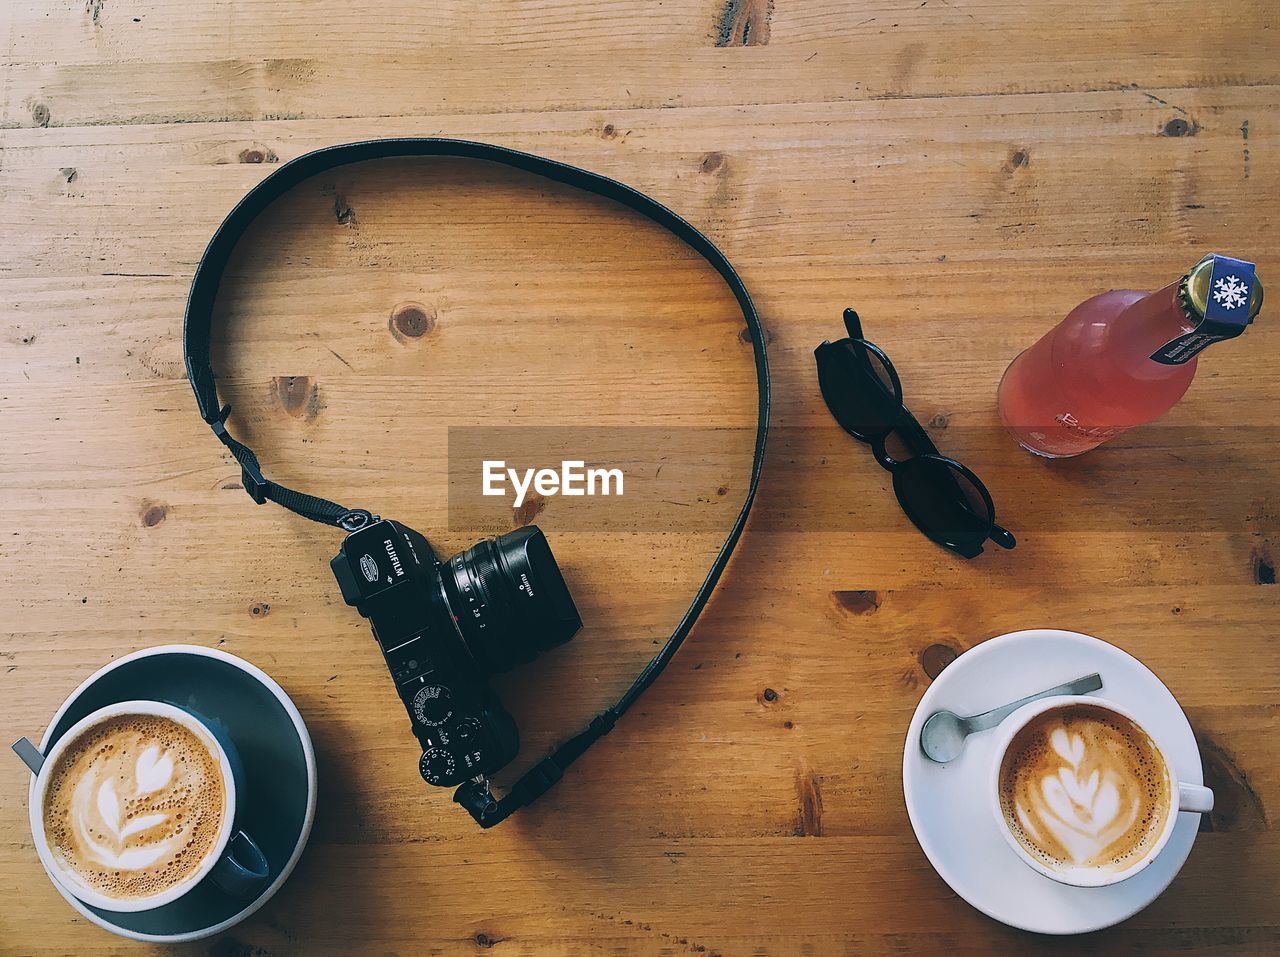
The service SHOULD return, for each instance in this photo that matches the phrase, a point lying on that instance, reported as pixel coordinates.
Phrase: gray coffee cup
(234, 864)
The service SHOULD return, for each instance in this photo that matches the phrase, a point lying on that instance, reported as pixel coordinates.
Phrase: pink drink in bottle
(1123, 358)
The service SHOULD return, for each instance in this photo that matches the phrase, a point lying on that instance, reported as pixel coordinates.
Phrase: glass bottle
(1123, 358)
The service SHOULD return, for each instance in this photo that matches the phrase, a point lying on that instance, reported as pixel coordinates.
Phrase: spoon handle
(989, 719)
(29, 754)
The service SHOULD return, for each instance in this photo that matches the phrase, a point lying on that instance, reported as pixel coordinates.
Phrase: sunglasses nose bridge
(881, 453)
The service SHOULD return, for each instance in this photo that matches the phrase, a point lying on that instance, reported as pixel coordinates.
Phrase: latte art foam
(134, 806)
(1084, 787)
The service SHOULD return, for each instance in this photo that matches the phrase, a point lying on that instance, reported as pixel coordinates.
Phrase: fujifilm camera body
(445, 627)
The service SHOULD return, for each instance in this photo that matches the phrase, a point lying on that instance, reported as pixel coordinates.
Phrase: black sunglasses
(943, 498)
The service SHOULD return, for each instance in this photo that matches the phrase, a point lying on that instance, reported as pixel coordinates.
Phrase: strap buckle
(602, 724)
(254, 483)
(537, 781)
(250, 472)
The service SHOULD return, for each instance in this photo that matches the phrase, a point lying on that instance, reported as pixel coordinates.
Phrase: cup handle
(242, 871)
(1193, 797)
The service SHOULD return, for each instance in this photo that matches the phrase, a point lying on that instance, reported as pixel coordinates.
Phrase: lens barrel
(509, 599)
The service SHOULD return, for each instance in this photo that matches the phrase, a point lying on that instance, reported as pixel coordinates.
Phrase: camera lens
(509, 599)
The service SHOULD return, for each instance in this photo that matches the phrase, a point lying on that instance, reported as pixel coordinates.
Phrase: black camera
(445, 627)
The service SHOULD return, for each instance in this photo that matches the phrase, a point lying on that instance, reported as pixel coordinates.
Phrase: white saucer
(949, 806)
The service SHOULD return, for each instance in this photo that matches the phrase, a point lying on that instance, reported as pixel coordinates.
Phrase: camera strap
(197, 326)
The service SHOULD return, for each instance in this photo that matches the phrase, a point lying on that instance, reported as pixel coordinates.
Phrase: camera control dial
(438, 767)
(433, 705)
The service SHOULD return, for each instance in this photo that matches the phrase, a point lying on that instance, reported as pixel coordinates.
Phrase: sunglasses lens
(859, 388)
(944, 502)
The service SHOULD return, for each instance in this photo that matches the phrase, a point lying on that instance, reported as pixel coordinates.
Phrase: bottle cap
(1197, 288)
(1220, 297)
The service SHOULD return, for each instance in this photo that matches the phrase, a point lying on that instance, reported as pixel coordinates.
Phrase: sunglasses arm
(853, 324)
(1002, 537)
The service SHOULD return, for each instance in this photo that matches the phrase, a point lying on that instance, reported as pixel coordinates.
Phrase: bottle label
(1226, 313)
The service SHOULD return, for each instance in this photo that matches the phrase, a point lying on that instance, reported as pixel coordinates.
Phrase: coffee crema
(134, 805)
(1082, 787)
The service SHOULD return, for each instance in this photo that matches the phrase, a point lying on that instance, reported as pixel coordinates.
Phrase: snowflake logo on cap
(1230, 292)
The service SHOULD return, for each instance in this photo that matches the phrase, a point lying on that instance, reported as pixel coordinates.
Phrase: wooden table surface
(963, 171)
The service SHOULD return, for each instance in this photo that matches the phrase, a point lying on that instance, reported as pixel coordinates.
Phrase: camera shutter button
(433, 705)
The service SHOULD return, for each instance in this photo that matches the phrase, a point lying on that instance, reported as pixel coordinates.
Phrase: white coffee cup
(240, 867)
(1191, 798)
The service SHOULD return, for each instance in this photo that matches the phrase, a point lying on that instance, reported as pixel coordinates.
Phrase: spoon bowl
(942, 738)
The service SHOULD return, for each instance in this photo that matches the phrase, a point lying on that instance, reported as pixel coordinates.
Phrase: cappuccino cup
(135, 806)
(1083, 794)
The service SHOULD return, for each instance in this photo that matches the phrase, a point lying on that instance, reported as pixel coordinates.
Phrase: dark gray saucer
(273, 743)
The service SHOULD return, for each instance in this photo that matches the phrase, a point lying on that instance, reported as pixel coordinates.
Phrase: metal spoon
(942, 738)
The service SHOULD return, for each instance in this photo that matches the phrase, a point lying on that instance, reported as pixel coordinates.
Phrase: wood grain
(963, 171)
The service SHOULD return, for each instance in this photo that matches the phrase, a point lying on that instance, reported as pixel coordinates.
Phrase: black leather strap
(196, 335)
